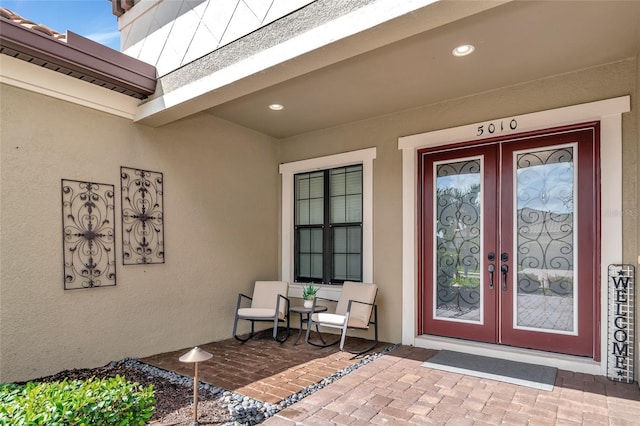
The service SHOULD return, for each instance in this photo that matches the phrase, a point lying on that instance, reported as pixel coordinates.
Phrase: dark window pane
(316, 240)
(309, 257)
(328, 217)
(340, 266)
(353, 207)
(346, 194)
(354, 267)
(354, 240)
(340, 240)
(309, 201)
(316, 211)
(346, 257)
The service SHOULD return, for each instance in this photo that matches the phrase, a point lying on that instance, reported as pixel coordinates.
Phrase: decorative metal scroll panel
(142, 217)
(458, 236)
(88, 234)
(545, 239)
(621, 330)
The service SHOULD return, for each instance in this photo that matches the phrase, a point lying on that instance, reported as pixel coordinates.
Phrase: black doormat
(519, 373)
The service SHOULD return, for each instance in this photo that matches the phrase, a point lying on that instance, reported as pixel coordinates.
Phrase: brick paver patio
(262, 368)
(395, 390)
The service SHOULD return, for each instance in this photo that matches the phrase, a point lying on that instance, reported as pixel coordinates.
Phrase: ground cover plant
(173, 396)
(95, 401)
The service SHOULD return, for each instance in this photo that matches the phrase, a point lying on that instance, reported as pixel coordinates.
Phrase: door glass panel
(545, 191)
(458, 240)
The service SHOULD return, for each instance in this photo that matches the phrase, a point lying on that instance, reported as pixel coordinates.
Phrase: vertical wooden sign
(621, 326)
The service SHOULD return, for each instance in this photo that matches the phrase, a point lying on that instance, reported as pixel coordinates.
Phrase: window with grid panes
(328, 225)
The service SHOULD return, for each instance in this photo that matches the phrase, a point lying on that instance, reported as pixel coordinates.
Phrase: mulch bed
(174, 402)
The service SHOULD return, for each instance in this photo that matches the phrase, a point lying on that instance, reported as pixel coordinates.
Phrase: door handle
(505, 270)
(491, 268)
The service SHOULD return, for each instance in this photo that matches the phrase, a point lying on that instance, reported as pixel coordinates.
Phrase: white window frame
(288, 170)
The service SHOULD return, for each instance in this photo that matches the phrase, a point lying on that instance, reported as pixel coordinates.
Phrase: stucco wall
(221, 215)
(612, 80)
(221, 234)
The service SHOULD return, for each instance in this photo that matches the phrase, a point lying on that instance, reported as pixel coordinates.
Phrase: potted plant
(308, 294)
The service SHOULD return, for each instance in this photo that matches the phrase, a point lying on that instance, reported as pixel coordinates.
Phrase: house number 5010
(497, 127)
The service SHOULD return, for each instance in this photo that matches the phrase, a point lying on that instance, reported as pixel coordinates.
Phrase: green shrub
(112, 401)
(469, 282)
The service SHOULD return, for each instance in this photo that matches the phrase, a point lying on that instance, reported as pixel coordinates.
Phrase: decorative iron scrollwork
(458, 222)
(142, 217)
(88, 234)
(545, 239)
(545, 244)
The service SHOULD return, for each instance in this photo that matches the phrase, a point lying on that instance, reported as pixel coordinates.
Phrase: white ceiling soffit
(370, 27)
(406, 62)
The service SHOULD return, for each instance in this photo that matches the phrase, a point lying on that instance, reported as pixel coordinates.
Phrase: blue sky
(89, 18)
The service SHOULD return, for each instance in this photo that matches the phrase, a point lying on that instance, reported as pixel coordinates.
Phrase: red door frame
(586, 248)
(589, 228)
(488, 330)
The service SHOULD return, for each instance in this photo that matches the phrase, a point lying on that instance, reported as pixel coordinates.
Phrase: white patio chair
(356, 309)
(268, 304)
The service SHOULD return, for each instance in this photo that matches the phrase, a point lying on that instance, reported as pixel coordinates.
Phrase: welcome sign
(621, 330)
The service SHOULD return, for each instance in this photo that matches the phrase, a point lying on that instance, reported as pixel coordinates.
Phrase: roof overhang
(371, 63)
(367, 29)
(79, 57)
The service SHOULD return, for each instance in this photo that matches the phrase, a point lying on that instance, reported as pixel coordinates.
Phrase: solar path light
(195, 356)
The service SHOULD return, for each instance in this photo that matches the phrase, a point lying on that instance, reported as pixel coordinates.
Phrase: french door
(509, 241)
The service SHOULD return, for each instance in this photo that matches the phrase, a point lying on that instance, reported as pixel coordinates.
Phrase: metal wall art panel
(142, 217)
(88, 234)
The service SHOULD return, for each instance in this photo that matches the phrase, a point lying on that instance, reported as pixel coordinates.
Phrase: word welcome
(620, 316)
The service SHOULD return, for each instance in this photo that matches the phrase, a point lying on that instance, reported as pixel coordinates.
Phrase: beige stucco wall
(608, 81)
(221, 234)
(221, 215)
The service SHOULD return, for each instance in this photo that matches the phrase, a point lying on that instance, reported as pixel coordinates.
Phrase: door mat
(519, 373)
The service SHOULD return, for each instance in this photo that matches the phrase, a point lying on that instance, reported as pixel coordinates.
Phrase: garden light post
(195, 356)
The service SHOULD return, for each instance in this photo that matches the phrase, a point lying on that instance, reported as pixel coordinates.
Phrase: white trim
(409, 255)
(287, 170)
(527, 122)
(610, 198)
(331, 292)
(19, 73)
(609, 113)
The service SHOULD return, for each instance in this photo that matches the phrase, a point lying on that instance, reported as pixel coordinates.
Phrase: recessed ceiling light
(463, 50)
(276, 107)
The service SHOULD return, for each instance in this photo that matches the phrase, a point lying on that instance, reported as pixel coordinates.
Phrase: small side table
(305, 314)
